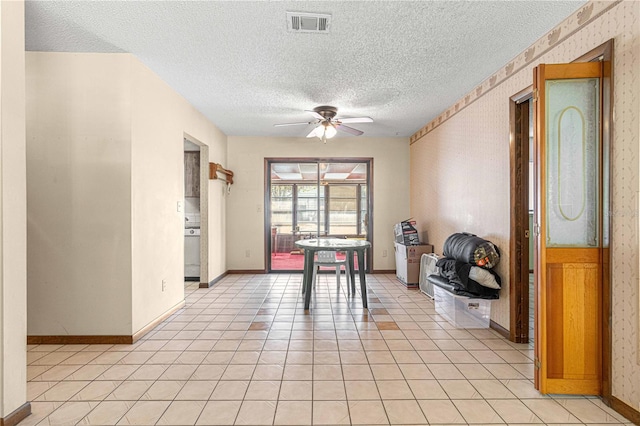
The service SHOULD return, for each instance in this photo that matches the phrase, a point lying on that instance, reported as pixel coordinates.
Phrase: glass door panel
(572, 158)
(314, 199)
(310, 211)
(343, 210)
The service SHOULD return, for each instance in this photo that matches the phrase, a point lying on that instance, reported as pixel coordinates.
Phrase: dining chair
(329, 258)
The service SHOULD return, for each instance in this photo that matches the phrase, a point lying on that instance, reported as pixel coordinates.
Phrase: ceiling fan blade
(312, 134)
(315, 114)
(349, 129)
(292, 124)
(355, 120)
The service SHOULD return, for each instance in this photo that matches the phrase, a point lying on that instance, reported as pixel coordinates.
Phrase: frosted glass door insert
(572, 162)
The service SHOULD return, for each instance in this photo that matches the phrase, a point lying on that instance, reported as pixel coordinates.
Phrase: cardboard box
(406, 233)
(408, 262)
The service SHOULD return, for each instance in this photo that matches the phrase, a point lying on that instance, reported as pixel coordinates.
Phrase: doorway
(196, 184)
(547, 322)
(522, 203)
(310, 198)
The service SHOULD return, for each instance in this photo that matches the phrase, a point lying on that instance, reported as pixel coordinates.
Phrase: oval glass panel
(572, 162)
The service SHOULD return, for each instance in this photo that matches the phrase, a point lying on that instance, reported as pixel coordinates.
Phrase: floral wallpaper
(460, 166)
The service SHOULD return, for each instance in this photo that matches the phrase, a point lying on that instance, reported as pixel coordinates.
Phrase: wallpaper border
(588, 13)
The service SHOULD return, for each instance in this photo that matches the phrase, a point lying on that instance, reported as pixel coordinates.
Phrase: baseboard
(102, 339)
(192, 278)
(247, 271)
(626, 410)
(213, 281)
(17, 415)
(384, 271)
(147, 328)
(500, 329)
(80, 340)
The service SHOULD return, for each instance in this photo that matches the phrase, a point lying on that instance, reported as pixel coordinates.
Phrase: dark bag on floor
(469, 248)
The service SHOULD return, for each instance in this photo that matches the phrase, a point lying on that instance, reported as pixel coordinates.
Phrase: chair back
(326, 256)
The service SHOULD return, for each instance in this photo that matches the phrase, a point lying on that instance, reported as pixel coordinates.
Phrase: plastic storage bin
(462, 311)
(428, 267)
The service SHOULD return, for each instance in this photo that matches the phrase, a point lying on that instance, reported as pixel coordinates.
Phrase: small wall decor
(215, 169)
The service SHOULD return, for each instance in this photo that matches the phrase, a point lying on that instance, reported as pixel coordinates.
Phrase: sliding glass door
(314, 198)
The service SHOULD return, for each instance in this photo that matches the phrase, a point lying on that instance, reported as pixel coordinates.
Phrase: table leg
(304, 272)
(306, 280)
(363, 281)
(352, 271)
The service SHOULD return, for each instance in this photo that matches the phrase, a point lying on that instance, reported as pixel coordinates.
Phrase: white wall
(245, 204)
(79, 193)
(13, 251)
(476, 197)
(160, 120)
(105, 173)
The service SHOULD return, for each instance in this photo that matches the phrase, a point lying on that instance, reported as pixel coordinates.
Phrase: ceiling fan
(327, 124)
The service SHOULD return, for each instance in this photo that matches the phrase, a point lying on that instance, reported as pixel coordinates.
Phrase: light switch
(180, 206)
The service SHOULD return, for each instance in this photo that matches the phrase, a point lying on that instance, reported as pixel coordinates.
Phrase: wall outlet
(384, 253)
(247, 253)
(180, 206)
(164, 285)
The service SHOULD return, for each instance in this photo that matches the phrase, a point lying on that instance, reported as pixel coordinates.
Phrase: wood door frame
(518, 287)
(519, 243)
(204, 209)
(267, 196)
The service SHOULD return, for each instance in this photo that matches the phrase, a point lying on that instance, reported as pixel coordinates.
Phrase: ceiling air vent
(300, 22)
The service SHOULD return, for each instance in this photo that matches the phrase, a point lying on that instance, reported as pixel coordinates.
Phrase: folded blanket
(459, 274)
(447, 285)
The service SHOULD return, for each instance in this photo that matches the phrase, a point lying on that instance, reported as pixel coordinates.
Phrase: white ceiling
(399, 62)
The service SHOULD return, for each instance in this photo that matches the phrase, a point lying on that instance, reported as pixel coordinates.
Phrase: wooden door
(568, 228)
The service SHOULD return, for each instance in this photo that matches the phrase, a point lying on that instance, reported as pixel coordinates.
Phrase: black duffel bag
(469, 248)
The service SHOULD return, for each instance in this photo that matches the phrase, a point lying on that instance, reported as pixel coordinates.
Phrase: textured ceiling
(399, 62)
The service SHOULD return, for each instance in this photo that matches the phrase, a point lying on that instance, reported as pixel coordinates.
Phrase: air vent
(300, 22)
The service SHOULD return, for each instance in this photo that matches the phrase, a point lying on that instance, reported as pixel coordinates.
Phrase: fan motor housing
(326, 111)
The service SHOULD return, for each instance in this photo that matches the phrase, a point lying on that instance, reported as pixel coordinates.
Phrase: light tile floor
(245, 352)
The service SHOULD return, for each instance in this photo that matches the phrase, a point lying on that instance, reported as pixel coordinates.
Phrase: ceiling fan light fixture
(319, 131)
(325, 131)
(330, 131)
(327, 124)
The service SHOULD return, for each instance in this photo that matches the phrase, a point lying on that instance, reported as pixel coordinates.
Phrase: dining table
(350, 247)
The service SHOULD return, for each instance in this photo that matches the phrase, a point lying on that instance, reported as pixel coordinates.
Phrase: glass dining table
(310, 248)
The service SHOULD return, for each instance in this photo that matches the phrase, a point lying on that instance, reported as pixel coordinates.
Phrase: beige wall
(466, 185)
(105, 174)
(245, 204)
(160, 119)
(79, 193)
(13, 236)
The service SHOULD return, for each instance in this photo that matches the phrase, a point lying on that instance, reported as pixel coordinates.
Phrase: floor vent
(300, 22)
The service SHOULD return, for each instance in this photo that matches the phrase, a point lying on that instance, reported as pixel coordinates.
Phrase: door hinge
(535, 95)
(536, 364)
(536, 229)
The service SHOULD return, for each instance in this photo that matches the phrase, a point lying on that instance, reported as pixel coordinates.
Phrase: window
(314, 198)
(343, 209)
(282, 207)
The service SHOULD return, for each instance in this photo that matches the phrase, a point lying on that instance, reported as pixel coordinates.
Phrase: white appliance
(192, 247)
(428, 267)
